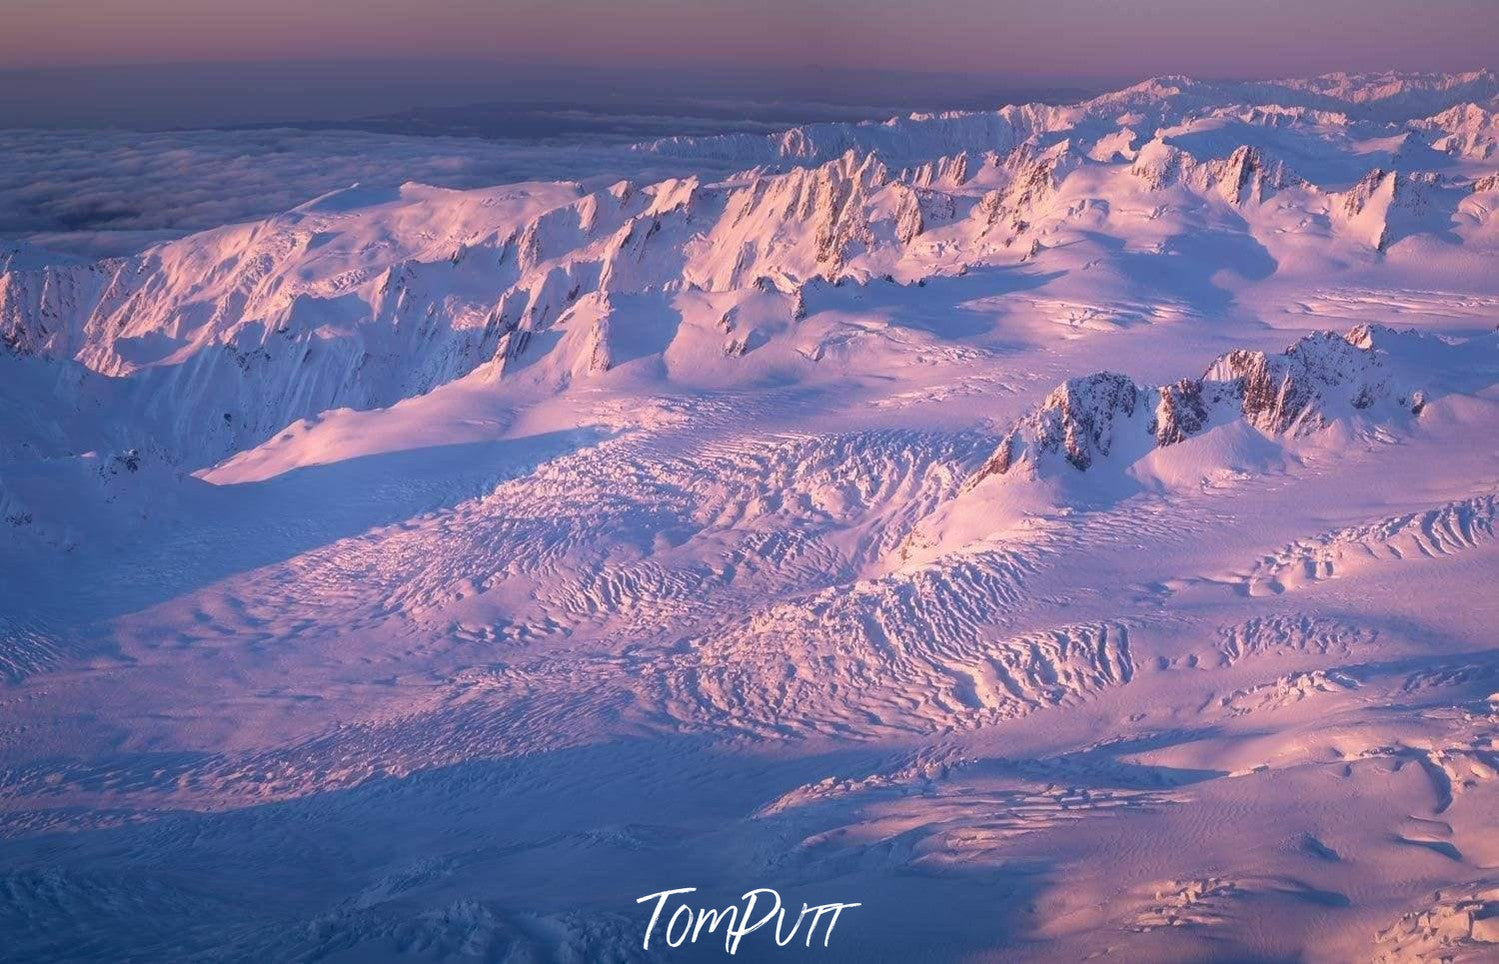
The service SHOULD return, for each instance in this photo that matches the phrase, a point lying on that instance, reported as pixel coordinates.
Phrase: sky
(1047, 39)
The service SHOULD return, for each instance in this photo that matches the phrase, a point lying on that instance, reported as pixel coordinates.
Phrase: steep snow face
(807, 223)
(352, 300)
(1387, 206)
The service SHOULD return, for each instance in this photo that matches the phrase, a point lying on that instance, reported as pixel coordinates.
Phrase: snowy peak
(1076, 422)
(1321, 378)
(1386, 205)
(1467, 130)
(1244, 176)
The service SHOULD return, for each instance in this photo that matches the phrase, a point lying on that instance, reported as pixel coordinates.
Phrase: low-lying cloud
(101, 193)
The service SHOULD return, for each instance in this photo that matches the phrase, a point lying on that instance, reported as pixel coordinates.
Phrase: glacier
(1059, 530)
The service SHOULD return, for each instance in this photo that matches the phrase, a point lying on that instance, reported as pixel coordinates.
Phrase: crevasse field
(1065, 532)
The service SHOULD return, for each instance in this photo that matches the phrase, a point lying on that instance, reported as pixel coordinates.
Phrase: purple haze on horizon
(1036, 38)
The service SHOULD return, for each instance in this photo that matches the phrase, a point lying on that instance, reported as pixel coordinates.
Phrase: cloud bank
(103, 193)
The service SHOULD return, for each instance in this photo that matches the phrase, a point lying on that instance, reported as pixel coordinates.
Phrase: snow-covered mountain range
(967, 492)
(361, 298)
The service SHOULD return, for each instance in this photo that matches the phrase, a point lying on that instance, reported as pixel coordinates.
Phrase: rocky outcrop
(943, 172)
(1180, 412)
(1387, 205)
(908, 218)
(1293, 392)
(1077, 421)
(1031, 180)
(1324, 376)
(1245, 176)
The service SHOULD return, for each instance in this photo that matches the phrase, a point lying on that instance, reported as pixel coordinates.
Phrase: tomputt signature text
(757, 909)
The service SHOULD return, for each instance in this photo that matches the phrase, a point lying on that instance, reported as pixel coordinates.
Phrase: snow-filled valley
(1062, 531)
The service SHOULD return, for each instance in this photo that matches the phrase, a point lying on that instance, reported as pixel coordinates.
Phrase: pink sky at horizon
(1042, 38)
